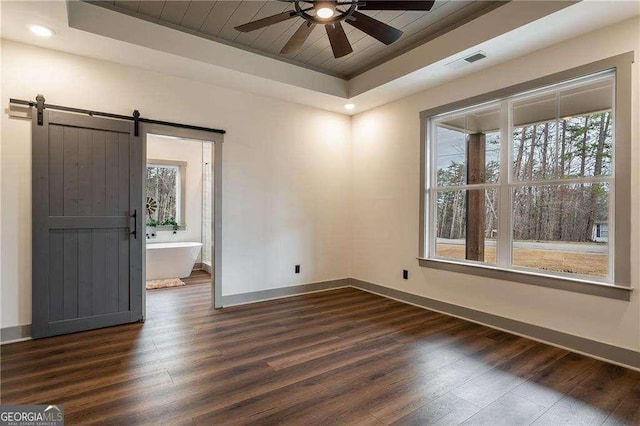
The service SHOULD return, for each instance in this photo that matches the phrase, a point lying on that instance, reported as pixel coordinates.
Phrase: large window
(526, 183)
(165, 193)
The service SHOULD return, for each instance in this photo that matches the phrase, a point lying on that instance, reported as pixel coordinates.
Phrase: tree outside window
(163, 192)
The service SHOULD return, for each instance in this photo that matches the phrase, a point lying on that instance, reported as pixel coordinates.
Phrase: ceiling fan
(331, 13)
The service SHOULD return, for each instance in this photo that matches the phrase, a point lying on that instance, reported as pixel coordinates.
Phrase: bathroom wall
(189, 151)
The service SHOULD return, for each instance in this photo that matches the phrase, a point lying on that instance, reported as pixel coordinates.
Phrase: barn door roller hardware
(136, 122)
(40, 106)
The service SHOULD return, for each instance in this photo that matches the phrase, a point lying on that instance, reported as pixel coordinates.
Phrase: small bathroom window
(165, 189)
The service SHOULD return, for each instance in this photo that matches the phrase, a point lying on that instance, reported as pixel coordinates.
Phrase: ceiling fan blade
(298, 38)
(265, 22)
(396, 5)
(338, 39)
(376, 29)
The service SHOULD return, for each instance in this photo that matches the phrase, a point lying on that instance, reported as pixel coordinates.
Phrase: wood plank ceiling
(216, 20)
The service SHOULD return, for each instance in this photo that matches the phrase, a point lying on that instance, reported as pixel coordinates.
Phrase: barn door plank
(85, 198)
(124, 209)
(85, 273)
(70, 208)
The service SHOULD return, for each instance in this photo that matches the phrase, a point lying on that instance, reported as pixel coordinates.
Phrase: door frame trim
(216, 196)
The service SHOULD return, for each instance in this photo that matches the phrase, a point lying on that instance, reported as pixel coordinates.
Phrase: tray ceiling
(216, 20)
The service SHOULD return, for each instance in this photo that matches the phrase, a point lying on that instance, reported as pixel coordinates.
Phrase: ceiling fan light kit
(325, 9)
(331, 14)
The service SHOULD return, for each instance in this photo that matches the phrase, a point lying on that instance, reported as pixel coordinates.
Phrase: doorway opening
(181, 193)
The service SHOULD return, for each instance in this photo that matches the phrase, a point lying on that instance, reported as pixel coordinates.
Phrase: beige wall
(286, 169)
(386, 174)
(304, 186)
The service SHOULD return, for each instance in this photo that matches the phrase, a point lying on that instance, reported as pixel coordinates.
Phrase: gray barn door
(87, 185)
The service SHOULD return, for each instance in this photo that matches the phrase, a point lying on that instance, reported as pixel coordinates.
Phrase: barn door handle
(134, 216)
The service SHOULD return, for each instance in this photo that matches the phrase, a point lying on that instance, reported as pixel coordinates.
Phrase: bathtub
(171, 260)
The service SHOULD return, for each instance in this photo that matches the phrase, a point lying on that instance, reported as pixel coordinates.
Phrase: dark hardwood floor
(336, 357)
(198, 277)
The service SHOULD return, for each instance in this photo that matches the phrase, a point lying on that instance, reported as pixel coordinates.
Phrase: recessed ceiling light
(349, 107)
(41, 31)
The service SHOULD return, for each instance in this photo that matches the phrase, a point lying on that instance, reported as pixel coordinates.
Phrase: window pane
(555, 228)
(466, 225)
(492, 157)
(161, 187)
(468, 147)
(564, 133)
(535, 151)
(451, 148)
(586, 145)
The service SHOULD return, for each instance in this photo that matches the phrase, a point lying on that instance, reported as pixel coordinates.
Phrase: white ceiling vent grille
(459, 63)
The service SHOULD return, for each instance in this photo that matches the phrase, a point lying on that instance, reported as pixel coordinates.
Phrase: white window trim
(620, 213)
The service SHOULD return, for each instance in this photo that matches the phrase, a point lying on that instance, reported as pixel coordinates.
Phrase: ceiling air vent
(475, 57)
(459, 63)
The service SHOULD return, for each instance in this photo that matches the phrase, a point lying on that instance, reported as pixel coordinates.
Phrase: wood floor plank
(310, 388)
(445, 410)
(341, 356)
(627, 412)
(490, 386)
(508, 410)
(409, 389)
(594, 399)
(549, 385)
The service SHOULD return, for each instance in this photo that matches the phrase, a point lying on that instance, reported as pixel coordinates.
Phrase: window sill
(578, 286)
(167, 228)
